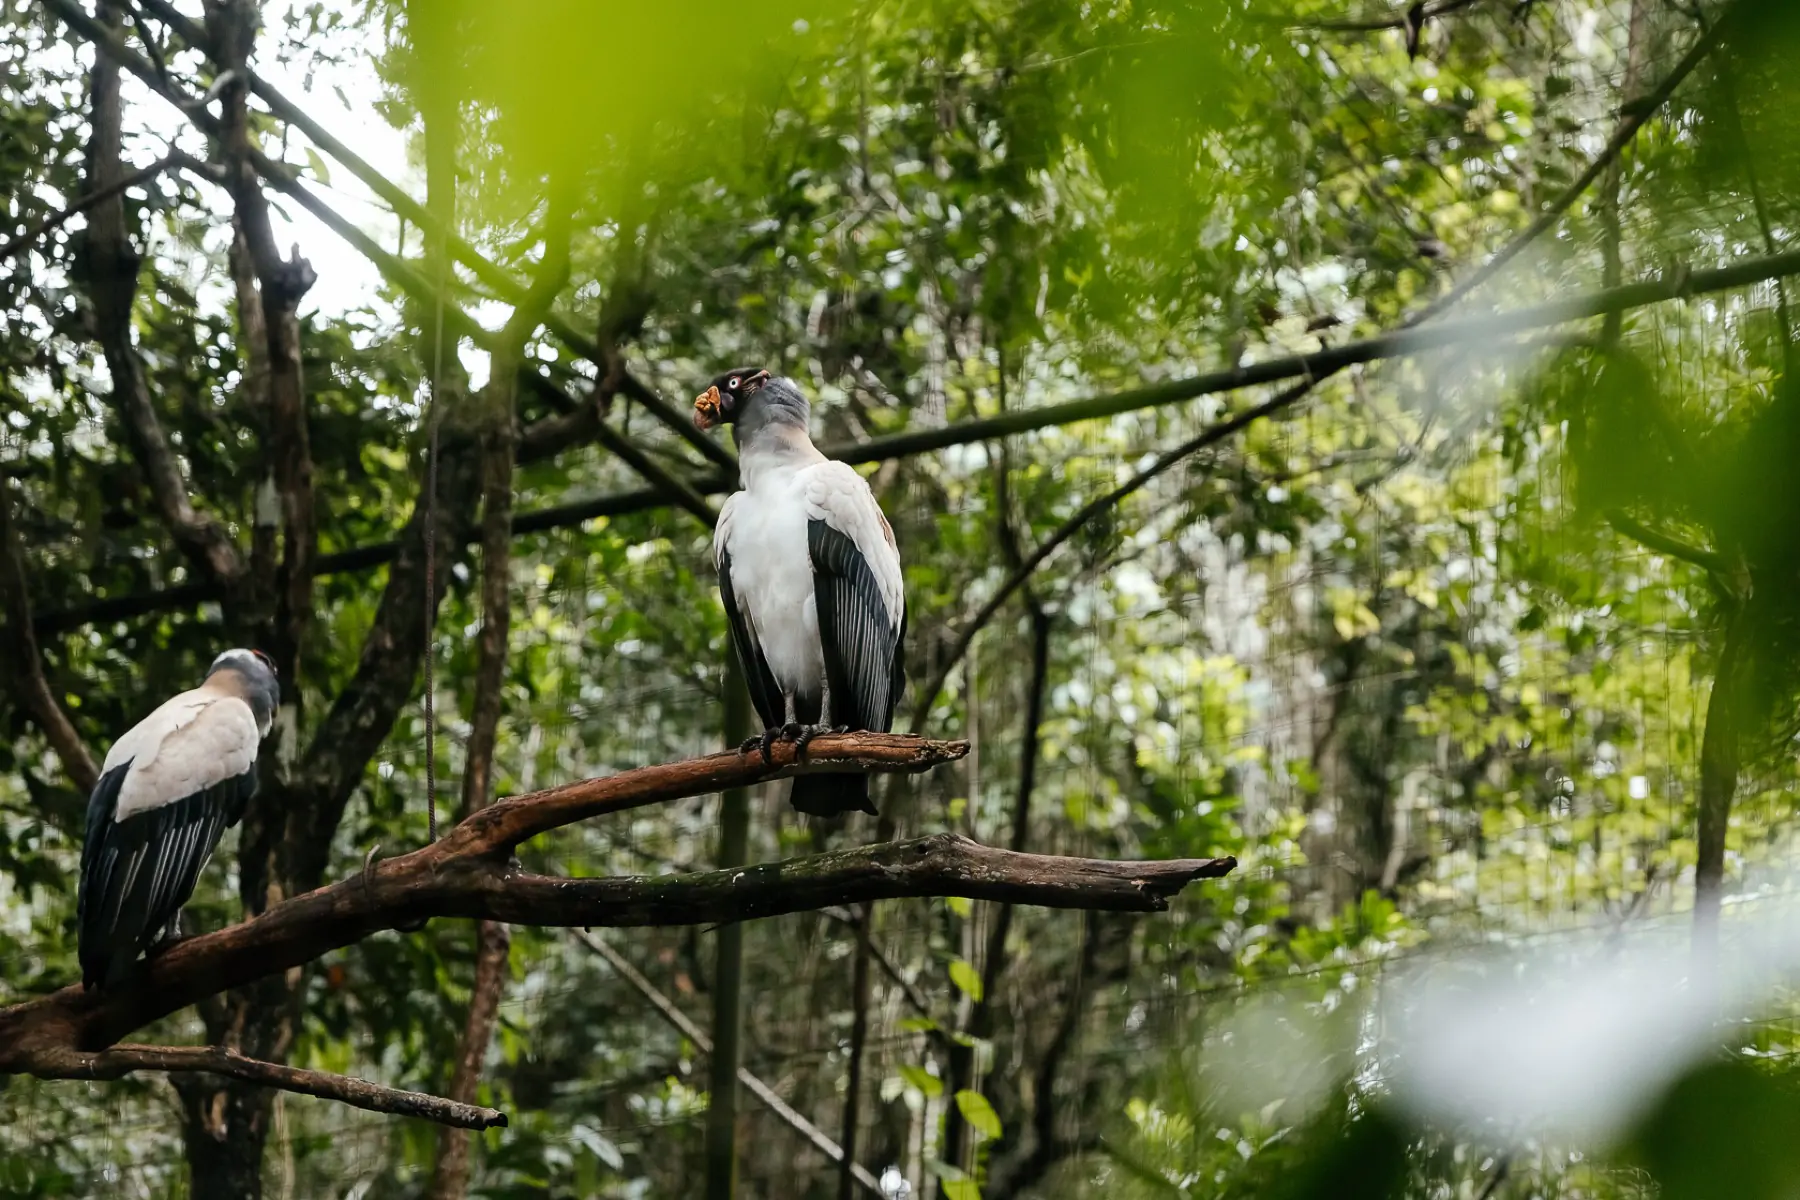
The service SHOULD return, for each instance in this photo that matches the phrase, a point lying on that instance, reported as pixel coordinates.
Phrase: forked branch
(469, 873)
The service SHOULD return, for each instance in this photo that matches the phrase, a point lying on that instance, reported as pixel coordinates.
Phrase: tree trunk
(860, 988)
(450, 1180)
(1720, 757)
(728, 967)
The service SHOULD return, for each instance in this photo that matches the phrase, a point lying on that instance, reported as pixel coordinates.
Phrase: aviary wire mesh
(1226, 670)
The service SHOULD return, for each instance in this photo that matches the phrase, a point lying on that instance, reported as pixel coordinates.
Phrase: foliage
(1402, 652)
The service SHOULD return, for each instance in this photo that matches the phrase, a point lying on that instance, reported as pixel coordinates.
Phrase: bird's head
(724, 400)
(256, 681)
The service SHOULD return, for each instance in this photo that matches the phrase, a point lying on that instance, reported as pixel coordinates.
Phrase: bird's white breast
(771, 576)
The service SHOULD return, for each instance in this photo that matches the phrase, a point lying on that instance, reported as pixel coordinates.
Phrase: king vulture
(168, 790)
(811, 582)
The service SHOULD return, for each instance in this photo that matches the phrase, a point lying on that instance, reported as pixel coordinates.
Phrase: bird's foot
(809, 732)
(168, 941)
(764, 742)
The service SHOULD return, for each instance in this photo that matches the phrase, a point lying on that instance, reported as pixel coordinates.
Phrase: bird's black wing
(861, 643)
(138, 871)
(765, 693)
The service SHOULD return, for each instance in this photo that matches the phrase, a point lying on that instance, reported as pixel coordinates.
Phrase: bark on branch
(467, 874)
(217, 1060)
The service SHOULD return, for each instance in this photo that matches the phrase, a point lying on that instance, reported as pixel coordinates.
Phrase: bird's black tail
(830, 795)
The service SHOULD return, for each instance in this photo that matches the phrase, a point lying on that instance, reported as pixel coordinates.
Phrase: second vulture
(811, 581)
(167, 792)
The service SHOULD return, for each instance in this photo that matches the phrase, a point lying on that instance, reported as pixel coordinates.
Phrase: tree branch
(112, 267)
(466, 874)
(216, 1060)
(993, 964)
(456, 321)
(1211, 435)
(585, 423)
(1484, 332)
(499, 404)
(25, 664)
(1379, 24)
(1635, 114)
(1669, 545)
(490, 273)
(126, 182)
(547, 437)
(268, 308)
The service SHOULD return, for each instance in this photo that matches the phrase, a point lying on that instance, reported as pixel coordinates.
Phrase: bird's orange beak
(706, 409)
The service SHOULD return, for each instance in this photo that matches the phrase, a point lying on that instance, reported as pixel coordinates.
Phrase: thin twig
(1637, 113)
(56, 220)
(1669, 545)
(682, 1024)
(1210, 436)
(216, 1060)
(19, 652)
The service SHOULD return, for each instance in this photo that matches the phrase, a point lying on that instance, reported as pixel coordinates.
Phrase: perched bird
(811, 582)
(168, 790)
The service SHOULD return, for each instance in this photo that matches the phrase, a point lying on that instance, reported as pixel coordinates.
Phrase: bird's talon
(840, 729)
(750, 743)
(368, 871)
(767, 743)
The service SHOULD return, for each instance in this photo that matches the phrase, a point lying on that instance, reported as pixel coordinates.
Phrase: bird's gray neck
(262, 695)
(774, 448)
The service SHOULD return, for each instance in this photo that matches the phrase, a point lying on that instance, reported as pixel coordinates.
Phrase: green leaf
(978, 1113)
(961, 1189)
(319, 169)
(962, 906)
(922, 1079)
(918, 1024)
(967, 979)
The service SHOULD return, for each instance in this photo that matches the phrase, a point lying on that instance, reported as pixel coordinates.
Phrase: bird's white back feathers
(191, 742)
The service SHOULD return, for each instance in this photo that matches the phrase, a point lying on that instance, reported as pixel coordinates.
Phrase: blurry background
(1488, 648)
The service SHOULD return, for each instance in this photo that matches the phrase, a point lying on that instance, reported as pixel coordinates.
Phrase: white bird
(811, 581)
(167, 792)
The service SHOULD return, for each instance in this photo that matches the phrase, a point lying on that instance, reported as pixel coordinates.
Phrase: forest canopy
(1340, 456)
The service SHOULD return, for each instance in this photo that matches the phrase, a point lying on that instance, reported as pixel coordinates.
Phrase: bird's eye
(734, 383)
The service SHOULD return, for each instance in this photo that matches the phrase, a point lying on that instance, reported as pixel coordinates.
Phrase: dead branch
(216, 1060)
(19, 653)
(467, 874)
